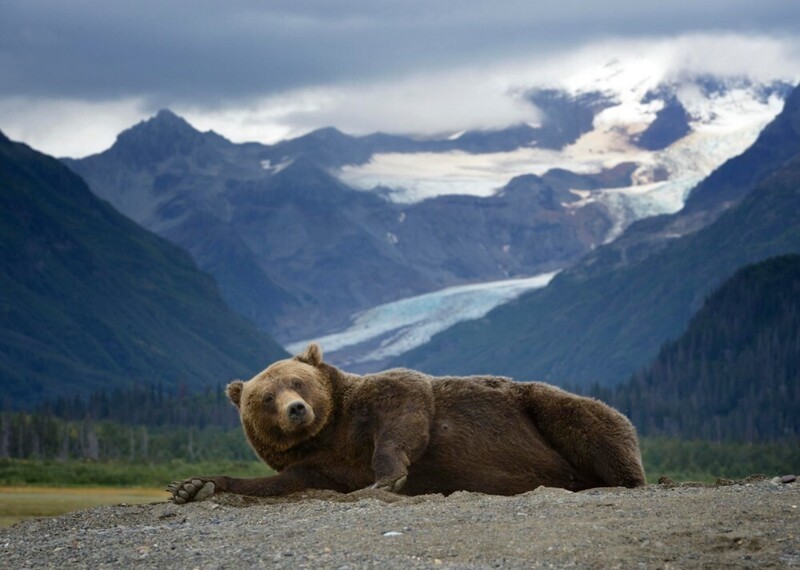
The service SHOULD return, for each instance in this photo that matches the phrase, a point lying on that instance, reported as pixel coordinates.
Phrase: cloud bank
(492, 95)
(73, 73)
(209, 52)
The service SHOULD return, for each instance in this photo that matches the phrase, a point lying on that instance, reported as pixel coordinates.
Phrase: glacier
(397, 327)
(723, 124)
(724, 121)
(413, 177)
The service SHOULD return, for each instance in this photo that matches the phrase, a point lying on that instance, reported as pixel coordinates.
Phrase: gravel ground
(750, 523)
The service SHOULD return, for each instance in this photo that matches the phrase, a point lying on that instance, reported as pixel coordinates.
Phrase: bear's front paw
(195, 489)
(393, 485)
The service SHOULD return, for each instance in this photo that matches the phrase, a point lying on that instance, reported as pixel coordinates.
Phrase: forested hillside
(91, 300)
(735, 373)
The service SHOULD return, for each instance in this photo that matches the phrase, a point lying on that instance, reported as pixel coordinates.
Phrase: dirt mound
(750, 523)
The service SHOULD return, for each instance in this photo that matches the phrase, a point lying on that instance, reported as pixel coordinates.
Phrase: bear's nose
(297, 411)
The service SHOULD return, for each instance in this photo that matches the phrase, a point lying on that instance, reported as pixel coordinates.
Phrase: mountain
(671, 124)
(734, 374)
(607, 316)
(777, 143)
(306, 234)
(91, 300)
(299, 251)
(672, 130)
(566, 118)
(723, 188)
(342, 250)
(171, 179)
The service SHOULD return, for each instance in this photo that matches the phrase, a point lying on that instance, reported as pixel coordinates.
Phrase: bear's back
(482, 438)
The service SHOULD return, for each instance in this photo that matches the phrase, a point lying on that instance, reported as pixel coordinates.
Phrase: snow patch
(275, 169)
(417, 176)
(723, 126)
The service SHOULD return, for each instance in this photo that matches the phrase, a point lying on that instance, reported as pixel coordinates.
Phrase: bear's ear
(311, 355)
(234, 390)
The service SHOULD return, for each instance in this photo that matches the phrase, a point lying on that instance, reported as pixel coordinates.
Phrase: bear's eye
(296, 384)
(268, 398)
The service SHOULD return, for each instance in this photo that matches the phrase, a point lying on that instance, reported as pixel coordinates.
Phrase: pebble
(392, 533)
(788, 478)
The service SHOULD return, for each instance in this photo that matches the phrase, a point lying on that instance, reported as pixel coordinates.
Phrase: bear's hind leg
(595, 438)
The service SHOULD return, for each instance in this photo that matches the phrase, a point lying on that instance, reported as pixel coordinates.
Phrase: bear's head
(286, 404)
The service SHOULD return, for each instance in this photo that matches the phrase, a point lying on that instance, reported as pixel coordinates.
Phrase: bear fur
(401, 430)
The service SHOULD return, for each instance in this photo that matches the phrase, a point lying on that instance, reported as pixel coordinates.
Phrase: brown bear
(401, 430)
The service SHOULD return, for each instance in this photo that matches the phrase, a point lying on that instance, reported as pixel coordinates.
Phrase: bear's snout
(294, 411)
(297, 411)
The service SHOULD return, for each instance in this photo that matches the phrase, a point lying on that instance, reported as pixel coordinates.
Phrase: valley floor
(25, 502)
(752, 523)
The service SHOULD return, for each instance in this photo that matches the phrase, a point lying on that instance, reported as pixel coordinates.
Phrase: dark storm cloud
(209, 52)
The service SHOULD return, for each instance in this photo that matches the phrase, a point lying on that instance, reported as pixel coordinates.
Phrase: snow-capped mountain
(676, 132)
(300, 252)
(608, 315)
(306, 236)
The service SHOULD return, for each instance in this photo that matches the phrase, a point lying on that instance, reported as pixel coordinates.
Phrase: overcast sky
(73, 73)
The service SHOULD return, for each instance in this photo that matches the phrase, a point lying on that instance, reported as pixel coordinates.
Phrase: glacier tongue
(394, 328)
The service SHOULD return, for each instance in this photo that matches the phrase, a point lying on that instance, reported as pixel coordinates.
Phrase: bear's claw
(190, 490)
(393, 486)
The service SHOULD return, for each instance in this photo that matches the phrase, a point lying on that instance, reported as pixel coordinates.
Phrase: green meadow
(18, 503)
(31, 489)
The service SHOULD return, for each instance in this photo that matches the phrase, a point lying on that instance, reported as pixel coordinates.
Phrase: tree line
(735, 373)
(138, 423)
(147, 405)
